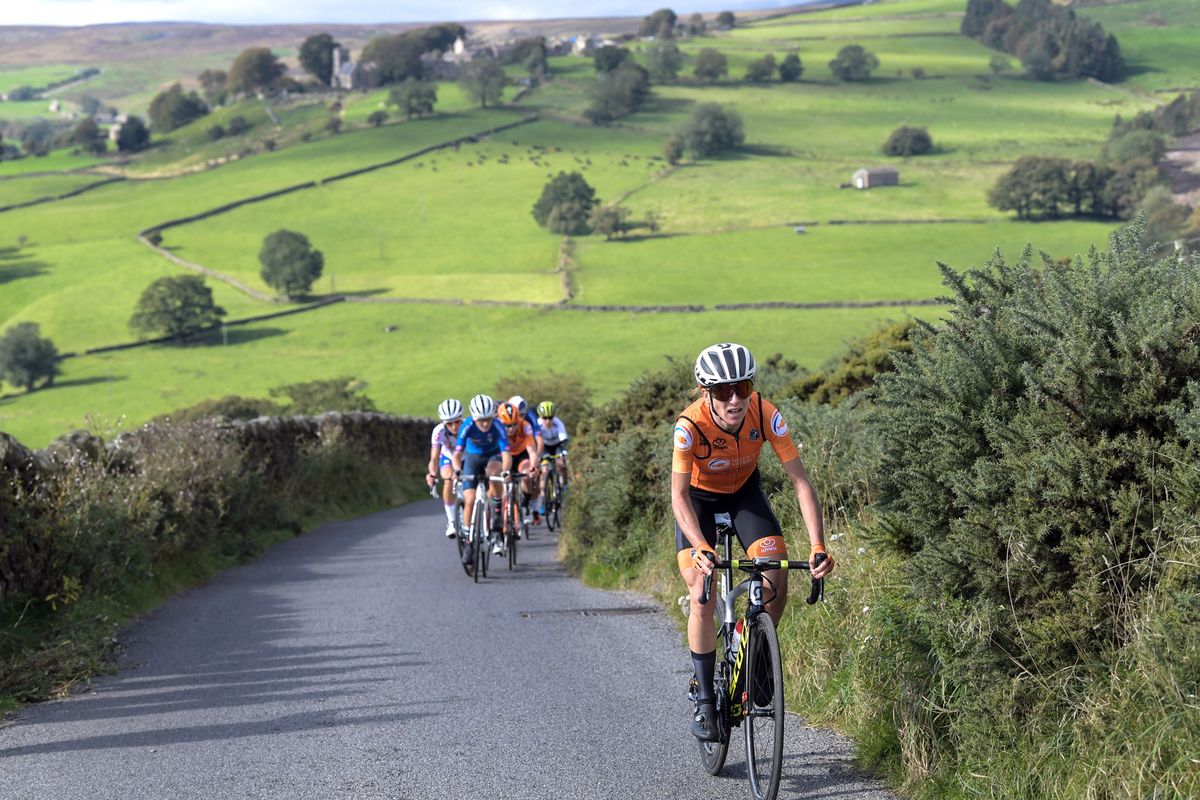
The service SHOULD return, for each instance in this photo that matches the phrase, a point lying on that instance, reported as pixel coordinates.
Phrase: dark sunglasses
(723, 391)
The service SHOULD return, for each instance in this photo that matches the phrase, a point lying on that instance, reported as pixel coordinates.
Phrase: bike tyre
(549, 498)
(764, 758)
(713, 754)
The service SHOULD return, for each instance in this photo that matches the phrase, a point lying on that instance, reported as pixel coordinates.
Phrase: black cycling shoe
(704, 724)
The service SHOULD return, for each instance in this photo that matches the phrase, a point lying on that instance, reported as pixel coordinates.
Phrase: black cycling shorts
(747, 508)
(559, 448)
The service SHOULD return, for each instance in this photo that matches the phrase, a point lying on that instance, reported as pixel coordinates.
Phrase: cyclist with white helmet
(527, 414)
(525, 411)
(714, 470)
(441, 455)
(481, 451)
(554, 443)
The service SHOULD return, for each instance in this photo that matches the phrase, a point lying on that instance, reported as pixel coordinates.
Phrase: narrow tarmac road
(358, 661)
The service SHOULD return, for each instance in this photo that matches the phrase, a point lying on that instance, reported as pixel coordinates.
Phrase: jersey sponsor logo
(778, 426)
(718, 464)
(754, 435)
(720, 444)
(768, 544)
(683, 438)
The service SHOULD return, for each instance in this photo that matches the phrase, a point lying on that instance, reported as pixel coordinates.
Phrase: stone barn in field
(871, 177)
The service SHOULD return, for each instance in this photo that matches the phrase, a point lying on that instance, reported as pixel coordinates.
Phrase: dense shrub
(908, 141)
(853, 63)
(712, 129)
(1051, 40)
(1038, 481)
(857, 369)
(568, 391)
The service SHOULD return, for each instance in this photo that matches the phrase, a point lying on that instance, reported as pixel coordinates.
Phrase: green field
(455, 224)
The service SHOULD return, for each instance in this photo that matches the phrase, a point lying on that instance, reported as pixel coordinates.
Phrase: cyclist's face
(731, 410)
(484, 423)
(512, 429)
(454, 424)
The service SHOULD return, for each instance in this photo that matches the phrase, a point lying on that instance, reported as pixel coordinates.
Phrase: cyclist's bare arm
(432, 471)
(810, 510)
(685, 515)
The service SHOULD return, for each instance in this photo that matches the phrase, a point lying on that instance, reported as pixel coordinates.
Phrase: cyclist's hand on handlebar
(506, 474)
(703, 560)
(430, 479)
(825, 567)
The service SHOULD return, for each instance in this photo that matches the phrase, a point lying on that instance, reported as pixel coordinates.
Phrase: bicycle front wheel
(549, 499)
(764, 704)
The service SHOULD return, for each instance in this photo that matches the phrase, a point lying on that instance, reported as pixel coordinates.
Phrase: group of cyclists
(495, 439)
(717, 441)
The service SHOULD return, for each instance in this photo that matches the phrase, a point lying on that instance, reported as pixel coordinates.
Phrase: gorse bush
(1039, 480)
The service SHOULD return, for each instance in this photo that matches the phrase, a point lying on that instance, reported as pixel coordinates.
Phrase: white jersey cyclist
(444, 440)
(554, 433)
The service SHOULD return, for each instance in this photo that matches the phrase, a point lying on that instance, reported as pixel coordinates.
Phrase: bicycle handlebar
(761, 565)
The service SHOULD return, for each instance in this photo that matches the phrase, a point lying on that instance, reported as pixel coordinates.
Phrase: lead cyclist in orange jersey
(714, 470)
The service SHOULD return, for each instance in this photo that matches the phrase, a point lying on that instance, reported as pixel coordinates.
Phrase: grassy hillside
(455, 224)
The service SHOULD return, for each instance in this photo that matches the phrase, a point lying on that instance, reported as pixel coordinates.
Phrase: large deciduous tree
(290, 264)
(26, 357)
(133, 135)
(396, 57)
(711, 64)
(566, 203)
(483, 80)
(663, 61)
(908, 141)
(712, 129)
(316, 56)
(179, 306)
(414, 98)
(660, 24)
(790, 69)
(255, 70)
(173, 108)
(853, 63)
(87, 134)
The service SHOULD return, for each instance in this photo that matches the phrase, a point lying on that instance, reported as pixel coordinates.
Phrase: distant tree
(87, 134)
(484, 81)
(290, 264)
(533, 57)
(133, 136)
(609, 57)
(711, 64)
(609, 220)
(179, 306)
(26, 357)
(712, 129)
(762, 70)
(414, 98)
(660, 24)
(316, 56)
(696, 25)
(566, 202)
(1033, 187)
(172, 108)
(726, 19)
(618, 94)
(1129, 184)
(918, 72)
(397, 57)
(853, 63)
(316, 397)
(237, 126)
(90, 105)
(377, 117)
(333, 124)
(999, 64)
(1146, 144)
(673, 149)
(663, 61)
(790, 69)
(215, 133)
(255, 70)
(213, 82)
(22, 94)
(908, 141)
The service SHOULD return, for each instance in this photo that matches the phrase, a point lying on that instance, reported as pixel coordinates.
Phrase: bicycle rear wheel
(764, 703)
(549, 500)
(512, 516)
(712, 754)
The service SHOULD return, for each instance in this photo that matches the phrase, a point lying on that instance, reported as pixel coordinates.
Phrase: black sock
(705, 665)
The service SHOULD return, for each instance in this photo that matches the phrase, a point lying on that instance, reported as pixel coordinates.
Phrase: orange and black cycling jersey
(521, 438)
(719, 461)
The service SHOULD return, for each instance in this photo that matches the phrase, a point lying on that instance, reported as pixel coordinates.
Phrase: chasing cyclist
(480, 451)
(441, 455)
(554, 445)
(714, 470)
(523, 446)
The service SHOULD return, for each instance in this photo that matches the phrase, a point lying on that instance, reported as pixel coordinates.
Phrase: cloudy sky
(90, 12)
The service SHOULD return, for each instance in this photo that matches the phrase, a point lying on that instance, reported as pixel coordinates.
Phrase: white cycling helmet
(450, 410)
(482, 407)
(724, 363)
(519, 402)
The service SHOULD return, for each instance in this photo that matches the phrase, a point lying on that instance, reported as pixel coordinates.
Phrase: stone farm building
(871, 177)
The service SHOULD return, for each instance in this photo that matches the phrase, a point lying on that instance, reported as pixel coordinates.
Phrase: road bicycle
(474, 544)
(513, 516)
(552, 492)
(748, 681)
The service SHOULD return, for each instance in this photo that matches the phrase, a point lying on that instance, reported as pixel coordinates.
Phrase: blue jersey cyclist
(481, 451)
